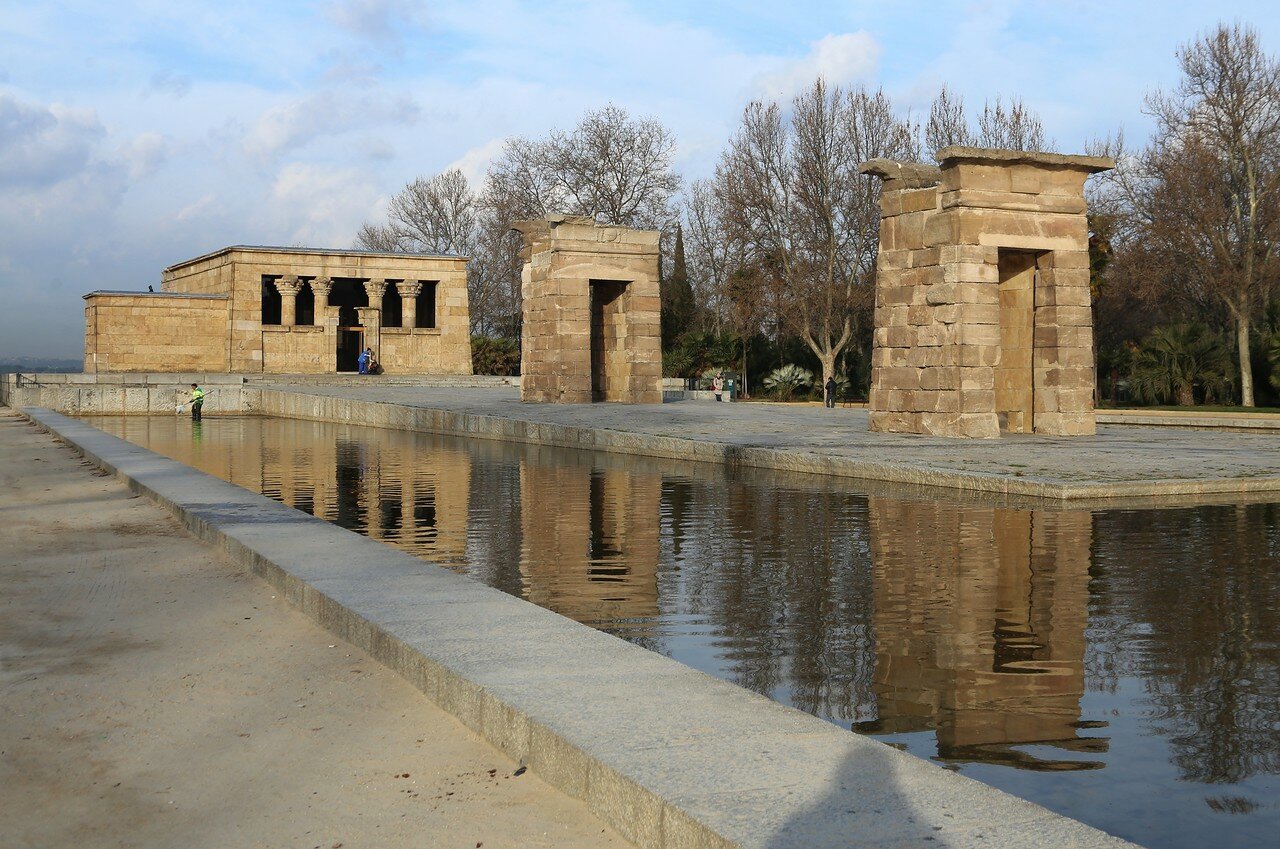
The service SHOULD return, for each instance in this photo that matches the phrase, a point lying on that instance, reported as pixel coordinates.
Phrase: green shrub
(784, 382)
(495, 355)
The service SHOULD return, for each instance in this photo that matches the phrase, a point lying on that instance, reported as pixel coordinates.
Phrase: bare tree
(610, 164)
(794, 201)
(437, 215)
(709, 252)
(1014, 128)
(948, 124)
(1203, 198)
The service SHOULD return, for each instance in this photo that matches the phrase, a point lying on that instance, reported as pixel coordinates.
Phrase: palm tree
(1178, 361)
(786, 380)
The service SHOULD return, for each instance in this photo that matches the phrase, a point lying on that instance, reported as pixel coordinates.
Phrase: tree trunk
(1183, 396)
(828, 362)
(1246, 366)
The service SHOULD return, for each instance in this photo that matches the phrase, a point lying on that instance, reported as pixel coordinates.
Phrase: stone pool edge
(298, 404)
(640, 737)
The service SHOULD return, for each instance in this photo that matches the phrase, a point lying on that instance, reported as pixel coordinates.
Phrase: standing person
(197, 401)
(717, 386)
(362, 361)
(831, 391)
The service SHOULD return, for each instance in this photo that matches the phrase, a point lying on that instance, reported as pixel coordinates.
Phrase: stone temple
(251, 310)
(591, 313)
(983, 323)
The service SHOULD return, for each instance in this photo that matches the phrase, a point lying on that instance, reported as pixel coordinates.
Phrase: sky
(137, 133)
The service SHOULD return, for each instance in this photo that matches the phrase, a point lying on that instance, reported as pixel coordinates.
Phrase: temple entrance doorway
(1015, 401)
(350, 344)
(608, 332)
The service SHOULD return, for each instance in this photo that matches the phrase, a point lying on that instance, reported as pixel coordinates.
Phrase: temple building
(251, 310)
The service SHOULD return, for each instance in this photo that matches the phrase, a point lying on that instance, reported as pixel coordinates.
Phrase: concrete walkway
(155, 694)
(1119, 461)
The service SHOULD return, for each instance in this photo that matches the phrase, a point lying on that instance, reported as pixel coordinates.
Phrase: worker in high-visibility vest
(197, 401)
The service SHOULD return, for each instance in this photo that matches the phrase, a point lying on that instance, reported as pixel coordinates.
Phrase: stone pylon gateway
(591, 312)
(983, 323)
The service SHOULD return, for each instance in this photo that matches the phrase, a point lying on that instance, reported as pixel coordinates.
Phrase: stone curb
(296, 404)
(669, 756)
(1266, 422)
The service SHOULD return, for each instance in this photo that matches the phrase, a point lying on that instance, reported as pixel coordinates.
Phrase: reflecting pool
(1120, 666)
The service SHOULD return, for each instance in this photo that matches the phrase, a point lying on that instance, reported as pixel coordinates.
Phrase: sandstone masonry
(982, 319)
(250, 310)
(591, 313)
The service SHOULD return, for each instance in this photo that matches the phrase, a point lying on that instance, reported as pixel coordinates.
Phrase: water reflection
(1122, 667)
(980, 620)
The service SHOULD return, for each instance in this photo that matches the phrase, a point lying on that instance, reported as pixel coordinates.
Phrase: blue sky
(137, 133)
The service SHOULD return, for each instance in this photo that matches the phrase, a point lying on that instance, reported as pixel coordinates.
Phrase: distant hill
(39, 365)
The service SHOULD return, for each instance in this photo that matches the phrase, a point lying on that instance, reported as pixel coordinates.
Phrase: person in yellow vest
(197, 401)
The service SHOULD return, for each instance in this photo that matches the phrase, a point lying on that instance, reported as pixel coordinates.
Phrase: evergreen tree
(678, 307)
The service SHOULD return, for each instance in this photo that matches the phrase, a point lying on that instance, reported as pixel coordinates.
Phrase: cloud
(474, 164)
(381, 22)
(838, 59)
(144, 154)
(44, 145)
(294, 125)
(321, 206)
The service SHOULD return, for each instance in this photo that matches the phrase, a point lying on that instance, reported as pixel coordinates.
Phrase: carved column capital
(375, 289)
(409, 288)
(288, 285)
(320, 287)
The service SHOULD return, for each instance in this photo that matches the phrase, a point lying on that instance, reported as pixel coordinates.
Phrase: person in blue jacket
(362, 362)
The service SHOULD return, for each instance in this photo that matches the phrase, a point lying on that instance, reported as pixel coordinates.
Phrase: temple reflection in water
(980, 617)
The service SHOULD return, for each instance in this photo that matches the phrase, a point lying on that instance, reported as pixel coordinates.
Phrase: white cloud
(44, 145)
(382, 22)
(325, 114)
(838, 59)
(144, 154)
(320, 206)
(474, 164)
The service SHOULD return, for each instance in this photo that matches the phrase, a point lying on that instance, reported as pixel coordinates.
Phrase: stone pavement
(1119, 461)
(153, 694)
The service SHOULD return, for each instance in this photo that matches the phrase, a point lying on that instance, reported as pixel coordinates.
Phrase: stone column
(288, 287)
(409, 290)
(321, 287)
(375, 290)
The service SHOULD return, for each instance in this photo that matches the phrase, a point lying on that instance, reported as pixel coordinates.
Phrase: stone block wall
(579, 274)
(234, 278)
(982, 319)
(133, 332)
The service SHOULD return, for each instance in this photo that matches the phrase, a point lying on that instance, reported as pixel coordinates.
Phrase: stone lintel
(911, 175)
(949, 156)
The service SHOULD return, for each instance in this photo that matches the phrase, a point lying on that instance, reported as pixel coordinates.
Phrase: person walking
(197, 401)
(362, 361)
(831, 392)
(717, 386)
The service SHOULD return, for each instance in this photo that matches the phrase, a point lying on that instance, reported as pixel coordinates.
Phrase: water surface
(1121, 666)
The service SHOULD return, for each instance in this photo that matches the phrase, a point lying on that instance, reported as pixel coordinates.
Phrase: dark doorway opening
(392, 307)
(350, 344)
(607, 318)
(272, 309)
(426, 315)
(348, 296)
(306, 310)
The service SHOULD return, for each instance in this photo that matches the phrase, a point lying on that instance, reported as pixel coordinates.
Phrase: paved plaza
(1121, 460)
(157, 694)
